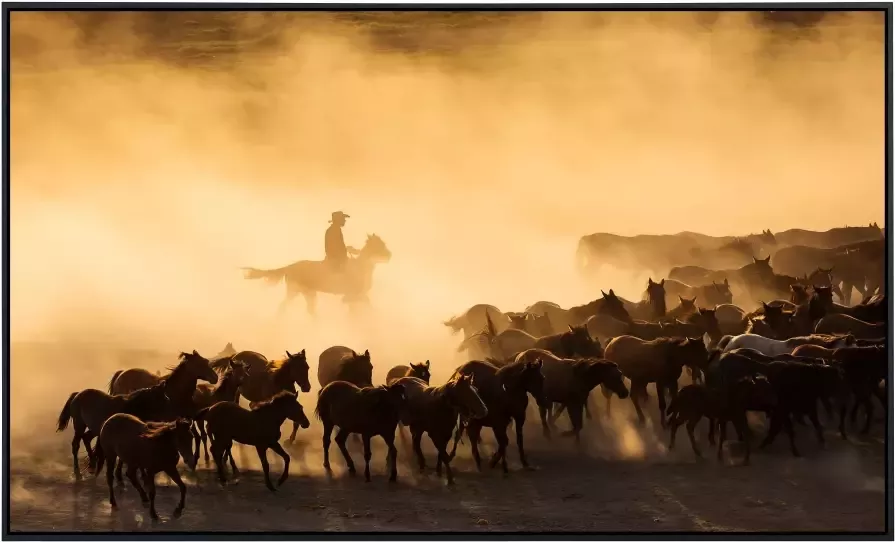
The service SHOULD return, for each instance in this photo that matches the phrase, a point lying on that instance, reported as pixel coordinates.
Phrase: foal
(150, 447)
(227, 422)
(226, 390)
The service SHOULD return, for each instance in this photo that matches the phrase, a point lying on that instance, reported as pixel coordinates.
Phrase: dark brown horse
(568, 382)
(659, 361)
(89, 409)
(416, 370)
(193, 367)
(367, 411)
(505, 392)
(227, 389)
(260, 427)
(151, 448)
(435, 410)
(266, 378)
(342, 363)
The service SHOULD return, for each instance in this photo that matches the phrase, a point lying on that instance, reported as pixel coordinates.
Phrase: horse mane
(275, 399)
(157, 430)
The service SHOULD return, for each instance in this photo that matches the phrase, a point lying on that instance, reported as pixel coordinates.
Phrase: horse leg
(265, 466)
(457, 436)
(520, 423)
(544, 424)
(204, 436)
(278, 449)
(691, 426)
(294, 431)
(818, 430)
(368, 454)
(175, 477)
(327, 437)
(91, 452)
(197, 437)
(218, 449)
(232, 462)
(75, 448)
(149, 480)
(774, 429)
(389, 439)
(119, 474)
(474, 431)
(607, 393)
(575, 415)
(660, 393)
(745, 434)
(417, 437)
(787, 426)
(722, 435)
(110, 480)
(637, 389)
(132, 476)
(341, 438)
(441, 445)
(310, 301)
(502, 443)
(868, 409)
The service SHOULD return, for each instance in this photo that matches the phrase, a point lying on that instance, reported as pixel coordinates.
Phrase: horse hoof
(178, 512)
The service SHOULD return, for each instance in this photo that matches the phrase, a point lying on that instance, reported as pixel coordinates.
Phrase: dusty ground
(840, 488)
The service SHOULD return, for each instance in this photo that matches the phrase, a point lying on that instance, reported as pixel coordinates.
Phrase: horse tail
(100, 458)
(112, 381)
(65, 415)
(271, 276)
(453, 323)
(321, 405)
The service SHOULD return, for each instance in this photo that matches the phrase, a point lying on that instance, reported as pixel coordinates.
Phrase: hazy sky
(139, 188)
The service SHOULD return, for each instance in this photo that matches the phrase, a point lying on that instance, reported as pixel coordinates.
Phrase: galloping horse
(308, 277)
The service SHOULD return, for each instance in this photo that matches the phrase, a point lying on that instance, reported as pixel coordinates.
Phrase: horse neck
(227, 389)
(510, 377)
(269, 414)
(282, 376)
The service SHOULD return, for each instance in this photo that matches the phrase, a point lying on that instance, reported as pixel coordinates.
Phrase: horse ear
(725, 282)
(571, 328)
(682, 299)
(367, 353)
(604, 293)
(302, 353)
(427, 364)
(754, 259)
(662, 283)
(694, 299)
(288, 355)
(611, 293)
(651, 281)
(768, 259)
(195, 353)
(764, 305)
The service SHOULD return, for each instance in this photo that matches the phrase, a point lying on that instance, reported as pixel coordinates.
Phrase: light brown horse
(843, 324)
(660, 361)
(308, 277)
(342, 363)
(265, 378)
(151, 447)
(417, 370)
(90, 408)
(367, 411)
(568, 383)
(435, 410)
(260, 427)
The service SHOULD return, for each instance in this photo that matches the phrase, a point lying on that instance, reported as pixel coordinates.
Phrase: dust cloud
(140, 187)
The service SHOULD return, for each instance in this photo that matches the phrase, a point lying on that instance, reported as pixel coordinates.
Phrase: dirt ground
(633, 484)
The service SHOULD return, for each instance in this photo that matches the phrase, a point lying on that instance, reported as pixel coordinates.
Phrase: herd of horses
(781, 358)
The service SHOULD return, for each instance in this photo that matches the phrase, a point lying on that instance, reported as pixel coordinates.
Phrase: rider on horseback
(336, 250)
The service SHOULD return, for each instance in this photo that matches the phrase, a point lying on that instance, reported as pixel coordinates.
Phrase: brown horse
(265, 378)
(603, 327)
(368, 411)
(151, 448)
(686, 306)
(568, 383)
(89, 409)
(193, 367)
(227, 389)
(310, 277)
(536, 325)
(416, 370)
(475, 319)
(843, 324)
(435, 410)
(260, 427)
(659, 361)
(505, 392)
(342, 363)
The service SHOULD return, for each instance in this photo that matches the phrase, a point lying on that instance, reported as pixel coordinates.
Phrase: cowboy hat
(339, 214)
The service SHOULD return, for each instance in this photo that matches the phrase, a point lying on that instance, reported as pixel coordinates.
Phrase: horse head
(374, 250)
